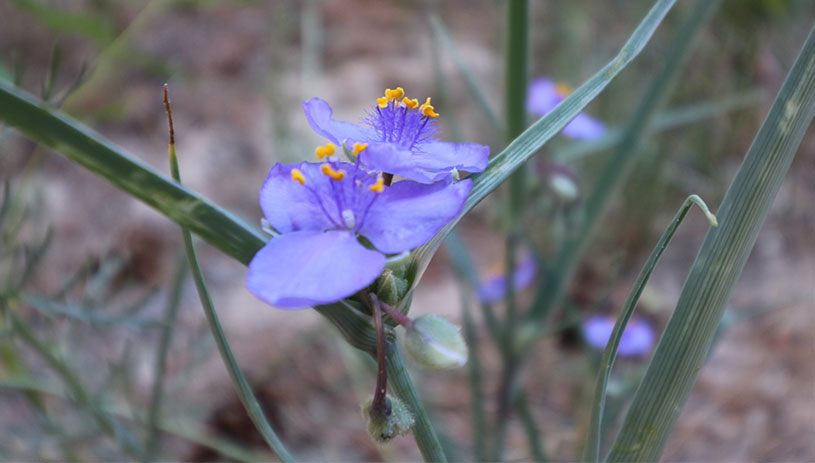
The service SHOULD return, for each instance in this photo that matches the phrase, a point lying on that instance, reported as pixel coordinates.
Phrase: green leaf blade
(687, 339)
(80, 144)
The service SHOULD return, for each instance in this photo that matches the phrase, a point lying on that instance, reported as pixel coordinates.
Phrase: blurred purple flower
(321, 209)
(399, 135)
(494, 288)
(637, 340)
(544, 94)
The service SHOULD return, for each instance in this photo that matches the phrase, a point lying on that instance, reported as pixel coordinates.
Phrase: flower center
(401, 120)
(563, 90)
(349, 219)
(348, 194)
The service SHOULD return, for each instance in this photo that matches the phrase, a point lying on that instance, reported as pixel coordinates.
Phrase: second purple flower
(400, 137)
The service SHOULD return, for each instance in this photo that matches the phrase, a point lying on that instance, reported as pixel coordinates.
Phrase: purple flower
(637, 340)
(400, 137)
(544, 95)
(494, 288)
(321, 210)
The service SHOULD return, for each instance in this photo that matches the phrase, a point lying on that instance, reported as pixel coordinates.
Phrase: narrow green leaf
(78, 143)
(671, 119)
(534, 137)
(591, 451)
(686, 341)
(617, 166)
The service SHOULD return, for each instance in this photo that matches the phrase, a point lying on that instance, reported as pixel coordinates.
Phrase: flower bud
(390, 288)
(435, 343)
(386, 424)
(563, 182)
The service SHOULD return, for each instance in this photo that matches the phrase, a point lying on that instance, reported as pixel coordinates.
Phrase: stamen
(334, 174)
(349, 219)
(382, 102)
(324, 151)
(298, 177)
(563, 90)
(379, 186)
(410, 103)
(395, 94)
(428, 110)
(358, 148)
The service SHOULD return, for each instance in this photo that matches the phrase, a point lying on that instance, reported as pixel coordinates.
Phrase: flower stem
(423, 431)
(380, 404)
(515, 101)
(400, 318)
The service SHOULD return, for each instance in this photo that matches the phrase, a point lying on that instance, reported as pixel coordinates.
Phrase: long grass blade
(691, 330)
(594, 437)
(534, 137)
(671, 119)
(617, 166)
(80, 144)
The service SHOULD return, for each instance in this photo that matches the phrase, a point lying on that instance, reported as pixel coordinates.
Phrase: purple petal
(584, 127)
(525, 272)
(494, 289)
(638, 337)
(542, 97)
(319, 115)
(434, 161)
(408, 214)
(303, 269)
(471, 157)
(387, 157)
(289, 206)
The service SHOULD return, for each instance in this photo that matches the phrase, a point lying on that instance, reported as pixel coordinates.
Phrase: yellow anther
(326, 150)
(358, 148)
(334, 174)
(428, 110)
(410, 103)
(298, 177)
(382, 102)
(395, 94)
(378, 186)
(563, 90)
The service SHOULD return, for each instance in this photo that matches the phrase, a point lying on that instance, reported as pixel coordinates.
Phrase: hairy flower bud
(391, 288)
(435, 343)
(386, 424)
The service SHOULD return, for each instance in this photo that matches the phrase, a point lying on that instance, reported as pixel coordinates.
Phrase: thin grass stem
(242, 387)
(594, 437)
(157, 394)
(78, 391)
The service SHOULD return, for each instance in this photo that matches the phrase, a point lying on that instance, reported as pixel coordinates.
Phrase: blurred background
(238, 72)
